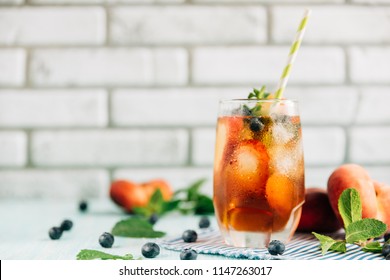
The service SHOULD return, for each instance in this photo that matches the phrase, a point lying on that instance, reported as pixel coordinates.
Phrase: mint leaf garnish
(94, 254)
(256, 94)
(135, 227)
(361, 231)
(327, 243)
(350, 206)
(374, 247)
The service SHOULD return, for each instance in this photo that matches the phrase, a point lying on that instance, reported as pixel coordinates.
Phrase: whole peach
(317, 214)
(375, 197)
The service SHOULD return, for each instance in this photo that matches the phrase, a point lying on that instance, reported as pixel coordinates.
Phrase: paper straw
(292, 55)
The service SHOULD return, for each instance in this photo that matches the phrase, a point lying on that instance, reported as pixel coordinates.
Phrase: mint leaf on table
(157, 205)
(204, 205)
(374, 247)
(328, 243)
(94, 254)
(357, 230)
(361, 231)
(194, 201)
(135, 227)
(350, 206)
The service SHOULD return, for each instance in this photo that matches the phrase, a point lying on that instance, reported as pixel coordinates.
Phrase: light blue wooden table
(24, 226)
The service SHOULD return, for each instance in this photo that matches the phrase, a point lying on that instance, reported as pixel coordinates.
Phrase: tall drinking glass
(258, 171)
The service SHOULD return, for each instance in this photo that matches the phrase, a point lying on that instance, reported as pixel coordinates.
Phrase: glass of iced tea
(258, 171)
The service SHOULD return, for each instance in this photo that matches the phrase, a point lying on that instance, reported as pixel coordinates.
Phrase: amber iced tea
(258, 171)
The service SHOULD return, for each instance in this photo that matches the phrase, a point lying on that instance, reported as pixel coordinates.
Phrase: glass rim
(245, 100)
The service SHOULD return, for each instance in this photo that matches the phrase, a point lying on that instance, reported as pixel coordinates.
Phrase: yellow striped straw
(292, 55)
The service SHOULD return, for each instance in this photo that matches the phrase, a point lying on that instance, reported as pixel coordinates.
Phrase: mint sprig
(259, 94)
(357, 230)
(86, 254)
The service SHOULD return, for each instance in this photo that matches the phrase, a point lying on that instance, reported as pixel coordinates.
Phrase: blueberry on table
(66, 225)
(188, 254)
(204, 222)
(106, 240)
(387, 257)
(386, 250)
(276, 247)
(150, 250)
(83, 206)
(190, 236)
(387, 236)
(55, 233)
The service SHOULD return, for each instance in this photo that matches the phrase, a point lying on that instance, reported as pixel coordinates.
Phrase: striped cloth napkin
(303, 246)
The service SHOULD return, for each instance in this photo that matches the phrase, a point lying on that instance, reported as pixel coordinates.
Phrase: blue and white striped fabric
(301, 247)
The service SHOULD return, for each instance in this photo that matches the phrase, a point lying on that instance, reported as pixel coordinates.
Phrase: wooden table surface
(25, 224)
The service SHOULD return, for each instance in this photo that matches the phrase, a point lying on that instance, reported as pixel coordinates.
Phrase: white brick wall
(46, 26)
(331, 24)
(104, 1)
(271, 1)
(370, 65)
(109, 148)
(92, 90)
(254, 65)
(373, 107)
(108, 67)
(174, 106)
(55, 184)
(13, 148)
(11, 1)
(188, 25)
(53, 108)
(325, 105)
(369, 145)
(12, 67)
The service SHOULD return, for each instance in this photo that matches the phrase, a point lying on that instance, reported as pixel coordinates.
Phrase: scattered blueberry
(106, 240)
(153, 219)
(83, 206)
(204, 222)
(388, 257)
(276, 247)
(386, 250)
(188, 254)
(150, 250)
(55, 233)
(255, 124)
(66, 225)
(190, 236)
(387, 236)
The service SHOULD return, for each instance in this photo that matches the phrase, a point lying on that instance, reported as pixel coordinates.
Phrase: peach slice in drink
(280, 193)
